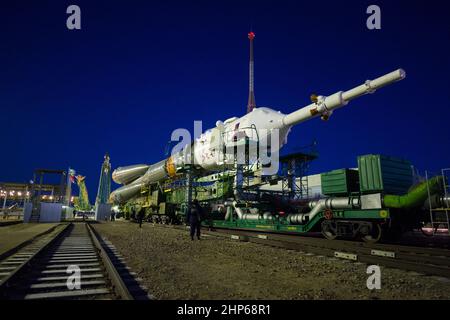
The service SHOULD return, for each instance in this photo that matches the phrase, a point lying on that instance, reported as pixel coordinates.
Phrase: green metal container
(385, 174)
(339, 182)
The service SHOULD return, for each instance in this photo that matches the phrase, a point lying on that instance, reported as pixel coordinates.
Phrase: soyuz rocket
(209, 151)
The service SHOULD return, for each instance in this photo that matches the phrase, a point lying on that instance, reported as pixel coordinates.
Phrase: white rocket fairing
(209, 150)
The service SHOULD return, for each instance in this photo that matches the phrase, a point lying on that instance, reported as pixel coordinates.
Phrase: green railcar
(376, 199)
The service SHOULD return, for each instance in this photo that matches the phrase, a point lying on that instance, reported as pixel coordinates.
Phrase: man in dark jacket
(194, 217)
(140, 217)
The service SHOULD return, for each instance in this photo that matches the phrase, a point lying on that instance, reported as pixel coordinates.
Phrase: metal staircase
(35, 211)
(446, 202)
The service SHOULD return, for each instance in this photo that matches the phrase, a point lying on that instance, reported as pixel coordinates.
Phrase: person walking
(194, 217)
(140, 217)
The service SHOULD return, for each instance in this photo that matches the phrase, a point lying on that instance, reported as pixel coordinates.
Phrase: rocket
(209, 151)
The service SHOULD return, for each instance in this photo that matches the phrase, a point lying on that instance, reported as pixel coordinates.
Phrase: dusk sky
(137, 70)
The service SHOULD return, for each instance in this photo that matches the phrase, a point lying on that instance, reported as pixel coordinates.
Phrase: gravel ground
(13, 235)
(174, 267)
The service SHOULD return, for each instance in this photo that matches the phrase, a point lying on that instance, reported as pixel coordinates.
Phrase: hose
(416, 197)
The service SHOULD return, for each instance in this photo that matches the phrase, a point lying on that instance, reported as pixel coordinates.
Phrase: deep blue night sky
(139, 69)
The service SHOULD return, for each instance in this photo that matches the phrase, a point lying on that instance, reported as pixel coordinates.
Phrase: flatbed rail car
(378, 199)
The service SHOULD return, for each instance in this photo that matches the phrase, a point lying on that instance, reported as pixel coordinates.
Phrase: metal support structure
(295, 181)
(4, 201)
(244, 151)
(62, 186)
(189, 183)
(68, 196)
(294, 168)
(238, 178)
(41, 178)
(55, 197)
(429, 196)
(435, 219)
(104, 184)
(446, 185)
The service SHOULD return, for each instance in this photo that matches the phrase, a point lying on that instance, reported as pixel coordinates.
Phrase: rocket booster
(207, 150)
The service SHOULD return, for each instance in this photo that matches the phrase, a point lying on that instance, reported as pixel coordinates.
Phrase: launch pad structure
(46, 208)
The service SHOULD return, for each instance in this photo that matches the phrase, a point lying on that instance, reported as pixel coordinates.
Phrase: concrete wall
(27, 211)
(103, 212)
(50, 212)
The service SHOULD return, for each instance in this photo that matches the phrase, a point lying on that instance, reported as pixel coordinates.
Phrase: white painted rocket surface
(267, 128)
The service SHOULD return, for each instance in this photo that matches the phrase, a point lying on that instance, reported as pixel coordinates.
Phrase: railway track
(423, 260)
(48, 268)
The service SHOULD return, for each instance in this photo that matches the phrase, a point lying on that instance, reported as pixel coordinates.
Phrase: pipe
(245, 216)
(267, 216)
(436, 201)
(322, 204)
(445, 202)
(238, 210)
(229, 213)
(416, 197)
(251, 216)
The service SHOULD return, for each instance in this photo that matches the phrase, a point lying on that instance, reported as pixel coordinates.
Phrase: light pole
(4, 202)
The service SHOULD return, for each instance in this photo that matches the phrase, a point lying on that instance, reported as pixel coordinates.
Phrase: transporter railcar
(381, 198)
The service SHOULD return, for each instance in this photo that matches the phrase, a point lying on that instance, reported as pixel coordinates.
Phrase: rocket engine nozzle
(126, 175)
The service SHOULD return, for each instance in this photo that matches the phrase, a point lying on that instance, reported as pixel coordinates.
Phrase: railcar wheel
(329, 229)
(428, 230)
(374, 235)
